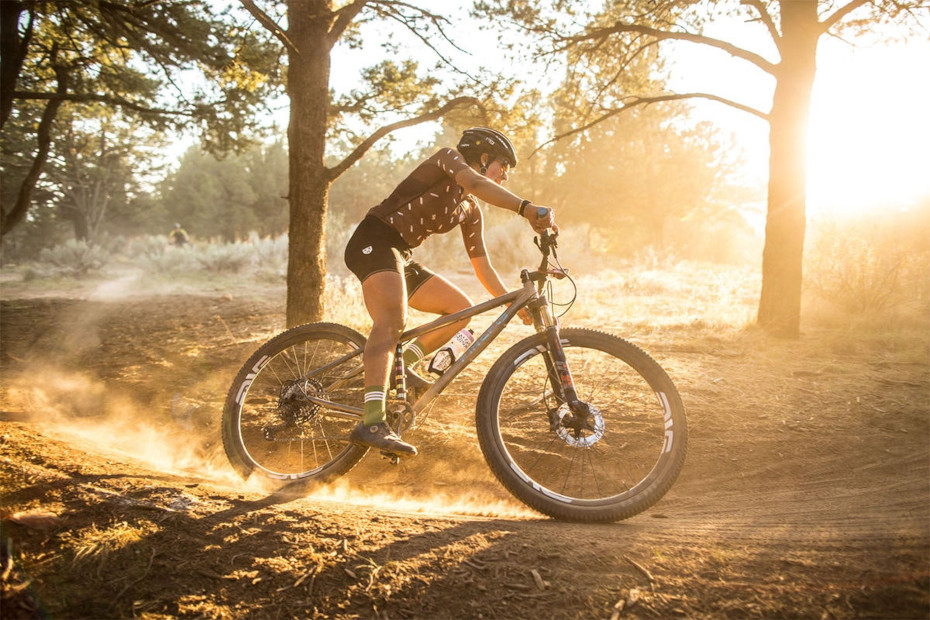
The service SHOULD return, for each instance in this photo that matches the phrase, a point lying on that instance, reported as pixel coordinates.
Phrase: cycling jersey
(429, 201)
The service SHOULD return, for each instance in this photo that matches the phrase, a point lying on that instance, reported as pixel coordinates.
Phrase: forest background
(660, 184)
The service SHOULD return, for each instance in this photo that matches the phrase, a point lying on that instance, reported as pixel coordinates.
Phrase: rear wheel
(271, 426)
(610, 464)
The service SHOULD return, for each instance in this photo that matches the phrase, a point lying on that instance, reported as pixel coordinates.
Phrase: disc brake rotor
(580, 435)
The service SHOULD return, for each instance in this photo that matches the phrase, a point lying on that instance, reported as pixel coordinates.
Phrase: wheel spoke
(281, 429)
(603, 460)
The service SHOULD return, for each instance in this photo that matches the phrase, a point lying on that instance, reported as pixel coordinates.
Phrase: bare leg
(439, 296)
(386, 299)
(385, 295)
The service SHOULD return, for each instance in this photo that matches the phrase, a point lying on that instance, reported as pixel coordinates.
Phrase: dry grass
(684, 294)
(94, 545)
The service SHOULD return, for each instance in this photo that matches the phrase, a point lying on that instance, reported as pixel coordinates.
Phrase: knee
(389, 327)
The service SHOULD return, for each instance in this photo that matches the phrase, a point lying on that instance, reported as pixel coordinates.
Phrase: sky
(869, 143)
(869, 138)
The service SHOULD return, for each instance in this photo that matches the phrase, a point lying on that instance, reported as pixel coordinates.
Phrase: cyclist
(438, 196)
(178, 236)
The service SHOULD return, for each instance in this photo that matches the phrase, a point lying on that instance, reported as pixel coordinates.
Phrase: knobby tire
(308, 443)
(621, 464)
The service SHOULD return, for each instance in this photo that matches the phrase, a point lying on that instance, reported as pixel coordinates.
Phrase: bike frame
(527, 296)
(517, 299)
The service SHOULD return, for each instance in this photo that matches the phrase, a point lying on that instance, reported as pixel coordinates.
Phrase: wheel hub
(580, 430)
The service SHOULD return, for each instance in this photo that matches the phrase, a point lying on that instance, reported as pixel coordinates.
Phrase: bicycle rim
(274, 428)
(624, 459)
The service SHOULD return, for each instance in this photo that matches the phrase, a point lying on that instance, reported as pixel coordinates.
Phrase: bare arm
(488, 276)
(493, 283)
(487, 190)
(499, 196)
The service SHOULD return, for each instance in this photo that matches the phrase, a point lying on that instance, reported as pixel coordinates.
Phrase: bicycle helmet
(478, 140)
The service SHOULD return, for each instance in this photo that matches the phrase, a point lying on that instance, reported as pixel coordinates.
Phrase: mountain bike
(578, 424)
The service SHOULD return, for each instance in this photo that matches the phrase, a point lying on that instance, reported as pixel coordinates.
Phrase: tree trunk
(13, 47)
(9, 219)
(780, 302)
(308, 88)
(79, 221)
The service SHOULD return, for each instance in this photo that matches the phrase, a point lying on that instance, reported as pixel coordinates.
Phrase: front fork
(560, 376)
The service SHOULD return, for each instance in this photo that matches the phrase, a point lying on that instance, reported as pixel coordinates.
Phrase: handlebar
(547, 242)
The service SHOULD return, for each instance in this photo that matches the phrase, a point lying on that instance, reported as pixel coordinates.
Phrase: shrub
(75, 258)
(870, 264)
(338, 230)
(168, 260)
(226, 258)
(148, 246)
(344, 302)
(270, 256)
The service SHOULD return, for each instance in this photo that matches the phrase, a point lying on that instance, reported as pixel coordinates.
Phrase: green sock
(374, 405)
(413, 353)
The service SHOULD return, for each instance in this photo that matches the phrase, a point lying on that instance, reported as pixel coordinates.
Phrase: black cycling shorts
(376, 247)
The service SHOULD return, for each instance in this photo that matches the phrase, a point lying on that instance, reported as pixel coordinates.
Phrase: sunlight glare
(869, 137)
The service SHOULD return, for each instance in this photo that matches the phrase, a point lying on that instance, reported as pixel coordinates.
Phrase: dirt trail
(805, 493)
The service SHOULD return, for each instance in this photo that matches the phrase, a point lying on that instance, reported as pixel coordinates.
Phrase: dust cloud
(437, 503)
(172, 435)
(75, 406)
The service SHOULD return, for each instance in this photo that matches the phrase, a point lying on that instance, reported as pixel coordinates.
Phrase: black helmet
(478, 140)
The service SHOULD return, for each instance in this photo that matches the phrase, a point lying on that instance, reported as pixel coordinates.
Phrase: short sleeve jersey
(429, 201)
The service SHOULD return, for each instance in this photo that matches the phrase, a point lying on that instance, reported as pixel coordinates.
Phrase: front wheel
(285, 415)
(611, 463)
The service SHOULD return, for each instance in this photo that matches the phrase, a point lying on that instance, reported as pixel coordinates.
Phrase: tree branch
(14, 50)
(765, 17)
(624, 63)
(44, 140)
(645, 101)
(270, 25)
(344, 17)
(370, 141)
(392, 9)
(727, 47)
(89, 97)
(840, 13)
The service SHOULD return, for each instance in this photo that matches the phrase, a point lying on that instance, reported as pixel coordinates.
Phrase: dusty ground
(805, 493)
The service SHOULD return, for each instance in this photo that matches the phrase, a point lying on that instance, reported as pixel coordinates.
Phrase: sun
(869, 133)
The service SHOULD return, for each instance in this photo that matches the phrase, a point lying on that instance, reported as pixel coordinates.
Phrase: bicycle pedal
(393, 458)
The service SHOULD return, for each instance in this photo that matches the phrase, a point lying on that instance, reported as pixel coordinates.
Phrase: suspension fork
(559, 367)
(560, 376)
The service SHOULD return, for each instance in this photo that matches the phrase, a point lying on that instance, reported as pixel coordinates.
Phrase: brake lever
(549, 235)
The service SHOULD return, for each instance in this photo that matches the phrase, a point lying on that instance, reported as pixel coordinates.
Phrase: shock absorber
(400, 377)
(557, 355)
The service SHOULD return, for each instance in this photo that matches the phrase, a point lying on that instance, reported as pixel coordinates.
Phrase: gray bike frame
(517, 299)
